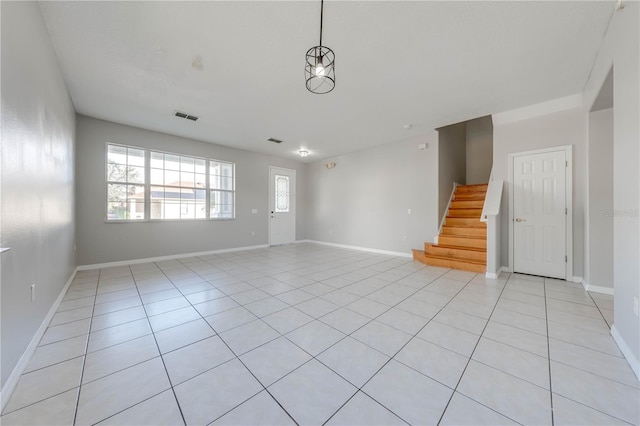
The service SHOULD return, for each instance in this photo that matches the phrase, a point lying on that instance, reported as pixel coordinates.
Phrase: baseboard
(370, 250)
(626, 351)
(576, 280)
(169, 257)
(14, 377)
(497, 274)
(597, 288)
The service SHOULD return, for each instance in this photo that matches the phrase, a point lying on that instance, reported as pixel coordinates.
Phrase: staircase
(462, 243)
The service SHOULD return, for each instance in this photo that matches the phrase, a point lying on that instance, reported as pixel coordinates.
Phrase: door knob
(520, 220)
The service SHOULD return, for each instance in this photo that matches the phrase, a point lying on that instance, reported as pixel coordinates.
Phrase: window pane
(135, 157)
(117, 154)
(157, 160)
(172, 208)
(116, 172)
(227, 169)
(116, 192)
(282, 193)
(157, 177)
(187, 179)
(201, 181)
(200, 165)
(135, 174)
(171, 162)
(187, 164)
(171, 178)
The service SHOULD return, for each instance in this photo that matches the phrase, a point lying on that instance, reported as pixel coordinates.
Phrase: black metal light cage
(316, 82)
(326, 58)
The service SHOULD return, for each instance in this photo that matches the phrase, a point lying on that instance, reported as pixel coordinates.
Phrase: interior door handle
(520, 220)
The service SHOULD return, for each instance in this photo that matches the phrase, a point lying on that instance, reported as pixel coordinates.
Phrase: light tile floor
(309, 334)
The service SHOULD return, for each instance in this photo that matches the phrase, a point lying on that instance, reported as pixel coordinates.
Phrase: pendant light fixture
(319, 70)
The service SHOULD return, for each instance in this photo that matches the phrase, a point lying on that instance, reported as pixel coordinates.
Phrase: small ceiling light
(303, 153)
(319, 70)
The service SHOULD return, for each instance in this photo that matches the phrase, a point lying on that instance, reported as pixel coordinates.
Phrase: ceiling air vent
(186, 116)
(274, 140)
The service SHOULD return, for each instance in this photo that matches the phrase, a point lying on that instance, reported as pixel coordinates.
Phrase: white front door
(540, 213)
(282, 206)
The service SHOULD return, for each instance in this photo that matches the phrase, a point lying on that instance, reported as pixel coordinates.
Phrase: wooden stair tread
(465, 225)
(474, 262)
(446, 246)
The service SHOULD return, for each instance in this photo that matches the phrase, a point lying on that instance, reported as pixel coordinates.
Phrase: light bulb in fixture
(303, 153)
(320, 71)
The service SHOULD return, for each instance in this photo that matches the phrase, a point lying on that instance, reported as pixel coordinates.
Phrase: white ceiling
(424, 63)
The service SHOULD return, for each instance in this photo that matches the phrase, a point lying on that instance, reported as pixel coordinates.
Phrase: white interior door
(539, 214)
(282, 206)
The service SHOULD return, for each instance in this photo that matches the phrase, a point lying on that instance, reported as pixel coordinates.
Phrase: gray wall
(100, 242)
(567, 127)
(37, 178)
(479, 150)
(364, 200)
(599, 256)
(621, 49)
(452, 163)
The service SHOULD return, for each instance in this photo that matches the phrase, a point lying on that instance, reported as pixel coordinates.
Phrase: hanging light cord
(321, 13)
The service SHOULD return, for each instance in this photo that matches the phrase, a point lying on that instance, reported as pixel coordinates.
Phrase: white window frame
(147, 187)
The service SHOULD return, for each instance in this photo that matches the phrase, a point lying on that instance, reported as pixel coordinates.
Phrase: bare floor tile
(465, 411)
(274, 360)
(57, 410)
(214, 393)
(401, 389)
(312, 393)
(45, 383)
(159, 410)
(512, 397)
(361, 410)
(320, 334)
(262, 409)
(110, 395)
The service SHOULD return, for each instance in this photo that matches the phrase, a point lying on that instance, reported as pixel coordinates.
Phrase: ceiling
(424, 63)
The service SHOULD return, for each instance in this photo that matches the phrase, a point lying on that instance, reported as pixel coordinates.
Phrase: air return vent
(186, 116)
(274, 140)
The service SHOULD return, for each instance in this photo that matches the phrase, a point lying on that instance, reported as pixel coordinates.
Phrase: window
(282, 194)
(179, 187)
(222, 191)
(125, 183)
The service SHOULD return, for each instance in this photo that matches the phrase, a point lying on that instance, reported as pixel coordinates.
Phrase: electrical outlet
(253, 233)
(408, 211)
(404, 238)
(635, 305)
(33, 292)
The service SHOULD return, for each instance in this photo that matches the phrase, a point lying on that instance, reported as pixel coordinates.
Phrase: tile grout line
(546, 311)
(236, 357)
(86, 351)
(312, 356)
(159, 352)
(469, 362)
(360, 389)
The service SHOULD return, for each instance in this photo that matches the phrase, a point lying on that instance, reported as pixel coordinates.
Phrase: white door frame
(568, 149)
(271, 195)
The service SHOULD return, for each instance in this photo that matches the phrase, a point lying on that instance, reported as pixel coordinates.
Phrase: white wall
(599, 224)
(364, 200)
(452, 162)
(100, 242)
(479, 157)
(567, 127)
(621, 49)
(37, 179)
